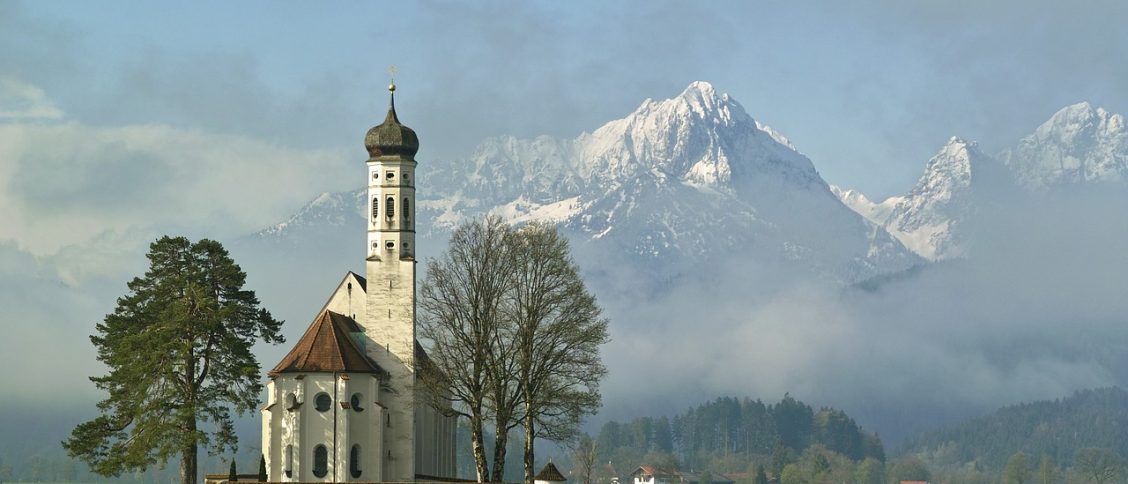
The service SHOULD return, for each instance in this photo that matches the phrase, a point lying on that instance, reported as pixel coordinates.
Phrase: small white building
(654, 475)
(342, 404)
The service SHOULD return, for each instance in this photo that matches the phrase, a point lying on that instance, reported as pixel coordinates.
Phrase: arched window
(354, 461)
(320, 461)
(391, 208)
(288, 461)
(291, 401)
(406, 210)
(355, 402)
(322, 402)
(375, 207)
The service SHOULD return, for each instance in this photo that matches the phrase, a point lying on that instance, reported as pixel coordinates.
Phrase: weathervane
(392, 75)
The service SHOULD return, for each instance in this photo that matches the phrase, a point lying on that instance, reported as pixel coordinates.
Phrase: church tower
(390, 266)
(342, 405)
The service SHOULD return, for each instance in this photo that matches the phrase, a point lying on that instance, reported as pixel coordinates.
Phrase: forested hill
(1057, 428)
(728, 434)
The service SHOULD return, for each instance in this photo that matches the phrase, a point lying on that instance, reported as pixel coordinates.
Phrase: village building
(654, 475)
(549, 475)
(344, 405)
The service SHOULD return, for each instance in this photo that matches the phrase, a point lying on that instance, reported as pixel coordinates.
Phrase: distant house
(549, 475)
(655, 475)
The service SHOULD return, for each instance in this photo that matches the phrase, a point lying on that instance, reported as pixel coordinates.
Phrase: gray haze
(218, 122)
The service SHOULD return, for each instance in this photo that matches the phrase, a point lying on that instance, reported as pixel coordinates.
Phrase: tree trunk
(477, 444)
(529, 471)
(501, 440)
(188, 459)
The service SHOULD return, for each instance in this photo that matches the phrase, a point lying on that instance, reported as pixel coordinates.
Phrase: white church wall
(348, 299)
(364, 428)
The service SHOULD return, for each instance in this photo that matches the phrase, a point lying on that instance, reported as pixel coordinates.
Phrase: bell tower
(390, 267)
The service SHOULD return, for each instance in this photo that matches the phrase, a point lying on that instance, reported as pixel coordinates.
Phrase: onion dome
(391, 138)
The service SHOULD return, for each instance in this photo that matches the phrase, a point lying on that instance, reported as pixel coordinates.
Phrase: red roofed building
(342, 404)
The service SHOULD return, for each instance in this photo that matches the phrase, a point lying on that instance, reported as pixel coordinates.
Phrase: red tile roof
(327, 346)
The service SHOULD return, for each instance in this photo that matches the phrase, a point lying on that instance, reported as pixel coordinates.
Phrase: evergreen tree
(761, 477)
(781, 457)
(262, 468)
(178, 348)
(232, 476)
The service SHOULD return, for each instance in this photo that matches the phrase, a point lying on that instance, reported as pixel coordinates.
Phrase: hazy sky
(868, 89)
(120, 121)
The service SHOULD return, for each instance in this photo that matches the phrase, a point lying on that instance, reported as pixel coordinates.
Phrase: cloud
(22, 101)
(67, 182)
(1036, 313)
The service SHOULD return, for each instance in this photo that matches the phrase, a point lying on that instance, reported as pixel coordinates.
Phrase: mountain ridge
(675, 182)
(1077, 145)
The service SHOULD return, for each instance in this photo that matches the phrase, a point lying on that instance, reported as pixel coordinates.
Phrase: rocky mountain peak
(675, 182)
(1078, 144)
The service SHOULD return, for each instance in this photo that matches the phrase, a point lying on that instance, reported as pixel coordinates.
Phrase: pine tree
(178, 349)
(232, 476)
(262, 468)
(761, 476)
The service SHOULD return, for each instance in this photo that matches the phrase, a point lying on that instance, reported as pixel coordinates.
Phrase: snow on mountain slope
(876, 212)
(931, 220)
(928, 219)
(1078, 144)
(327, 210)
(674, 183)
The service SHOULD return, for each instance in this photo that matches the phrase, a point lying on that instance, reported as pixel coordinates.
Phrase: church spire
(392, 138)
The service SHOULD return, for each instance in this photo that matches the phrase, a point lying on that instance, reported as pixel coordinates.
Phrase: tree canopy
(514, 336)
(728, 433)
(178, 348)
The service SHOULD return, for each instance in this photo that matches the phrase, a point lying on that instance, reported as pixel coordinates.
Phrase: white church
(343, 405)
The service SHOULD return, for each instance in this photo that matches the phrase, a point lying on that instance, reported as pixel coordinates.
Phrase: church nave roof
(327, 346)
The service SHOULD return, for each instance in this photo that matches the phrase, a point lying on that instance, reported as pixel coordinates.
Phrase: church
(344, 405)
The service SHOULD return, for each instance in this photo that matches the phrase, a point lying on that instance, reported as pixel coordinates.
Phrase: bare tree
(558, 331)
(584, 453)
(514, 335)
(505, 391)
(1099, 465)
(460, 303)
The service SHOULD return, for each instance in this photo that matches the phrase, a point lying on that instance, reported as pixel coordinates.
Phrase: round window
(322, 402)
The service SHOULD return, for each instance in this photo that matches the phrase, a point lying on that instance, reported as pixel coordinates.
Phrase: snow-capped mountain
(1078, 144)
(931, 217)
(674, 183)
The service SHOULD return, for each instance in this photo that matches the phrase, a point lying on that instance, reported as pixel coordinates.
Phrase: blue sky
(869, 90)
